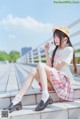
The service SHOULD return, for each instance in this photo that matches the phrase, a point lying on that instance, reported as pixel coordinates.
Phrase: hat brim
(56, 28)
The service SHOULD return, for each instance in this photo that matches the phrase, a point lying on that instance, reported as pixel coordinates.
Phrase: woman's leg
(42, 66)
(34, 74)
(45, 98)
(26, 85)
(37, 77)
(16, 104)
(44, 75)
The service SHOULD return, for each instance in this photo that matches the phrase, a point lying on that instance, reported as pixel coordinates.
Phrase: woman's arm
(48, 60)
(59, 65)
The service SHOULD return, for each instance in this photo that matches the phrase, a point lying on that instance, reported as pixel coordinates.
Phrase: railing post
(27, 58)
(39, 55)
(32, 57)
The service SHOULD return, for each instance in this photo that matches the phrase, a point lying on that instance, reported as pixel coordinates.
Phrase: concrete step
(8, 78)
(65, 110)
(32, 97)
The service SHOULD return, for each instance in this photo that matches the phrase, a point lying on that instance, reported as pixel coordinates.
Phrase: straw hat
(63, 29)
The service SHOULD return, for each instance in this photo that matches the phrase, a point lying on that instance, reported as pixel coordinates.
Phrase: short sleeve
(67, 55)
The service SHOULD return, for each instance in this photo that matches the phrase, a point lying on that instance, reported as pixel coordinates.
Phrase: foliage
(11, 57)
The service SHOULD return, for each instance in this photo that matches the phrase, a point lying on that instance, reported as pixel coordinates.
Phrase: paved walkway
(12, 77)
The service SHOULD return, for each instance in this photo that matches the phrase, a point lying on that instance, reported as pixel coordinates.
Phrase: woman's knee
(33, 71)
(40, 65)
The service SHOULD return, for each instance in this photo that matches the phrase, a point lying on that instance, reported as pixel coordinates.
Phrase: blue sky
(29, 22)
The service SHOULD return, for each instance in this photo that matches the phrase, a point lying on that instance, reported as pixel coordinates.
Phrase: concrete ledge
(67, 110)
(32, 97)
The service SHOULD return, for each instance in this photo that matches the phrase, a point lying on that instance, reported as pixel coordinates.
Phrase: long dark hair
(61, 34)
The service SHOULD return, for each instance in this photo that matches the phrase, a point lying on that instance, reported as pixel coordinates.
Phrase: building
(24, 50)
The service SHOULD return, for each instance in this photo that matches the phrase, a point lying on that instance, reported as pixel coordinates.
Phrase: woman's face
(57, 40)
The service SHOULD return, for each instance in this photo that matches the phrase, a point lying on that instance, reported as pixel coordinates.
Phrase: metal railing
(38, 54)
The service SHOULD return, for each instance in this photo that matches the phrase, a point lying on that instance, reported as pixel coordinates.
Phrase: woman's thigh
(46, 68)
(37, 77)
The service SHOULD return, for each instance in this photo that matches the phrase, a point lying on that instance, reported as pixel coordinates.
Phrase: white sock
(45, 96)
(17, 99)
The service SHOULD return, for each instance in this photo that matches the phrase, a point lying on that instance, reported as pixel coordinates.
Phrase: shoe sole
(50, 102)
(16, 109)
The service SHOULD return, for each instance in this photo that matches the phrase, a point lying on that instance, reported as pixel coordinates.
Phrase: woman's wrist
(46, 54)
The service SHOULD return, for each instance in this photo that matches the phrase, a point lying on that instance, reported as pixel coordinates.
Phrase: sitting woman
(55, 75)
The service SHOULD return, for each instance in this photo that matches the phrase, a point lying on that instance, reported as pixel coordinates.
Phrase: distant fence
(4, 62)
(38, 54)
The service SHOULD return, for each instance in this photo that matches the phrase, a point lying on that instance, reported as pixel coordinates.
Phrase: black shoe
(43, 105)
(12, 107)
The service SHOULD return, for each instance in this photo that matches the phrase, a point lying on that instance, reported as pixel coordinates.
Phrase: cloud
(28, 23)
(12, 36)
(26, 31)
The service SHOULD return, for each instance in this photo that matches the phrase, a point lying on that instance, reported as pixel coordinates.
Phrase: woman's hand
(76, 71)
(47, 46)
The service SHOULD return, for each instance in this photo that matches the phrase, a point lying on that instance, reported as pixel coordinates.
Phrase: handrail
(38, 54)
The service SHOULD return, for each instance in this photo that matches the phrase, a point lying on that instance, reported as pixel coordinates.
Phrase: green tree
(11, 57)
(14, 55)
(4, 56)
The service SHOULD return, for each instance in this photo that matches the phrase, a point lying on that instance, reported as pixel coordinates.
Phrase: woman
(54, 75)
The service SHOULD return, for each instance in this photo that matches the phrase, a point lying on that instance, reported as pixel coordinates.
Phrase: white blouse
(64, 55)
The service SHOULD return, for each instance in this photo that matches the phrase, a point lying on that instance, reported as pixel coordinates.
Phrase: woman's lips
(57, 43)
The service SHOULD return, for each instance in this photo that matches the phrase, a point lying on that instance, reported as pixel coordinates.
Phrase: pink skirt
(61, 84)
